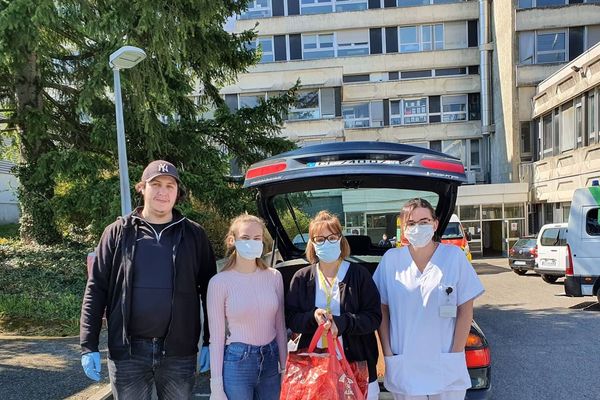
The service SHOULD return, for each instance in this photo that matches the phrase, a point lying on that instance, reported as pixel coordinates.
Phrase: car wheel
(520, 271)
(549, 278)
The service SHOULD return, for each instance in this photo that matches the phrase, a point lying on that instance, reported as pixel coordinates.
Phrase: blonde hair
(325, 219)
(230, 252)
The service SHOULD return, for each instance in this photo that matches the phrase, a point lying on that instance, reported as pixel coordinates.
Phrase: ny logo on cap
(163, 168)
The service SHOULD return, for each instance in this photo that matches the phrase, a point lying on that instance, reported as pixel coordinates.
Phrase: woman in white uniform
(427, 292)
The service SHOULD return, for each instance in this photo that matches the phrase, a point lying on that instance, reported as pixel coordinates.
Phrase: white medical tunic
(421, 335)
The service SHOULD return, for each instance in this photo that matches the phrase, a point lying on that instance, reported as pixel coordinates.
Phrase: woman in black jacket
(336, 293)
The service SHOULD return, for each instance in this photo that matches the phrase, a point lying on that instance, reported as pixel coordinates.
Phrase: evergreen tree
(56, 92)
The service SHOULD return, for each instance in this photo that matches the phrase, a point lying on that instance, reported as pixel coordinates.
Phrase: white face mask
(419, 235)
(327, 251)
(249, 249)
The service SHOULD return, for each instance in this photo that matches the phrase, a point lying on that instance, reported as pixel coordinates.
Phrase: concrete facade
(553, 91)
(566, 104)
(407, 60)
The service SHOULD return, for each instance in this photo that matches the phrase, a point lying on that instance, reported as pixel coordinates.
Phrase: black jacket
(109, 288)
(360, 313)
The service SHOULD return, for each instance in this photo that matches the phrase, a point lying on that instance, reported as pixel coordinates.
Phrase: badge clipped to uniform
(447, 309)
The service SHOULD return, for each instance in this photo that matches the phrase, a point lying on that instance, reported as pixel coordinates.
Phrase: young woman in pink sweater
(248, 338)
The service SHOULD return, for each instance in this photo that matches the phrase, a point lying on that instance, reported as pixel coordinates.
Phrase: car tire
(549, 278)
(520, 271)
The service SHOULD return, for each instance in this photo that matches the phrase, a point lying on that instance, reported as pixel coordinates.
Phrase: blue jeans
(251, 372)
(148, 367)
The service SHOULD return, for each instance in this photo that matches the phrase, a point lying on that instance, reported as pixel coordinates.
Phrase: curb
(102, 394)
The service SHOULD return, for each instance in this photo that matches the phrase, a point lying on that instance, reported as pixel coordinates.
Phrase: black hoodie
(109, 288)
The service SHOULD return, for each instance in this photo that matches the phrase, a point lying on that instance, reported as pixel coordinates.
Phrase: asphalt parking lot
(544, 346)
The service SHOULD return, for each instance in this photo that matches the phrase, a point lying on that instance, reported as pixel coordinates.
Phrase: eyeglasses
(423, 221)
(319, 240)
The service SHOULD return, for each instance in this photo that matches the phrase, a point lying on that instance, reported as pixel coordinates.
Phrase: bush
(41, 288)
(9, 231)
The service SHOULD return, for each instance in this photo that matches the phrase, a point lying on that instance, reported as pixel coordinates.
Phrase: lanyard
(326, 288)
(328, 295)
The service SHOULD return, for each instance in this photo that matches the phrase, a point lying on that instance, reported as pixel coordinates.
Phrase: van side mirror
(468, 236)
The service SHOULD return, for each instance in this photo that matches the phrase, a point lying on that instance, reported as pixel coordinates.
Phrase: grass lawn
(41, 287)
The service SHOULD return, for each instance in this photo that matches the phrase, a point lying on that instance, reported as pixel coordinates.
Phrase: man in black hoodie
(150, 267)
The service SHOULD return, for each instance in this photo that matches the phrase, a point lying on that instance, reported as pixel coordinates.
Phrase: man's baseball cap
(160, 168)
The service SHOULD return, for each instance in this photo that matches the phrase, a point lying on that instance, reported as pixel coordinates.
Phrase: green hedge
(41, 288)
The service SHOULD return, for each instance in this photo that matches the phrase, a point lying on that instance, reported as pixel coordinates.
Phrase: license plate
(520, 263)
(548, 262)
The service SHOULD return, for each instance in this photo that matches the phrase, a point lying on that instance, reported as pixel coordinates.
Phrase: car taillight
(266, 170)
(443, 165)
(477, 353)
(533, 251)
(478, 358)
(569, 269)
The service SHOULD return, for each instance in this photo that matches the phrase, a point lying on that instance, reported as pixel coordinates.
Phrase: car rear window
(592, 223)
(365, 213)
(554, 237)
(525, 243)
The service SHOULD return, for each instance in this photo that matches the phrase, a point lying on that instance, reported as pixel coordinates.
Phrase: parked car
(456, 234)
(365, 184)
(522, 256)
(300, 240)
(583, 243)
(552, 252)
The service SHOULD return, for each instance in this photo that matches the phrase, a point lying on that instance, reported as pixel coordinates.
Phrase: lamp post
(124, 58)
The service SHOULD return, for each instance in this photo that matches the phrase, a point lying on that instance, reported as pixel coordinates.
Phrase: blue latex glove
(204, 359)
(91, 365)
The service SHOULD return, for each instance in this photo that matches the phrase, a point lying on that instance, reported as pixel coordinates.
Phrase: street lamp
(124, 58)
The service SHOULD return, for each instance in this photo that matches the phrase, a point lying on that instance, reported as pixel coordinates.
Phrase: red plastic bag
(321, 376)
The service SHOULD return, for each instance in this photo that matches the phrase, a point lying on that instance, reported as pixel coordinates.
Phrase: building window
(454, 108)
(317, 46)
(352, 43)
(550, 47)
(567, 134)
(414, 111)
(421, 38)
(475, 151)
(408, 111)
(525, 143)
(426, 73)
(355, 78)
(327, 6)
(467, 150)
(250, 100)
(450, 71)
(591, 117)
(542, 47)
(351, 5)
(412, 3)
(265, 46)
(578, 123)
(547, 135)
(315, 6)
(306, 107)
(356, 115)
(395, 113)
(257, 9)
(541, 3)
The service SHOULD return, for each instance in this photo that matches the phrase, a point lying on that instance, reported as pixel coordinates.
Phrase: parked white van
(583, 266)
(552, 252)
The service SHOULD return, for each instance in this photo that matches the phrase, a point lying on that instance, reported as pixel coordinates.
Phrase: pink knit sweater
(246, 308)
